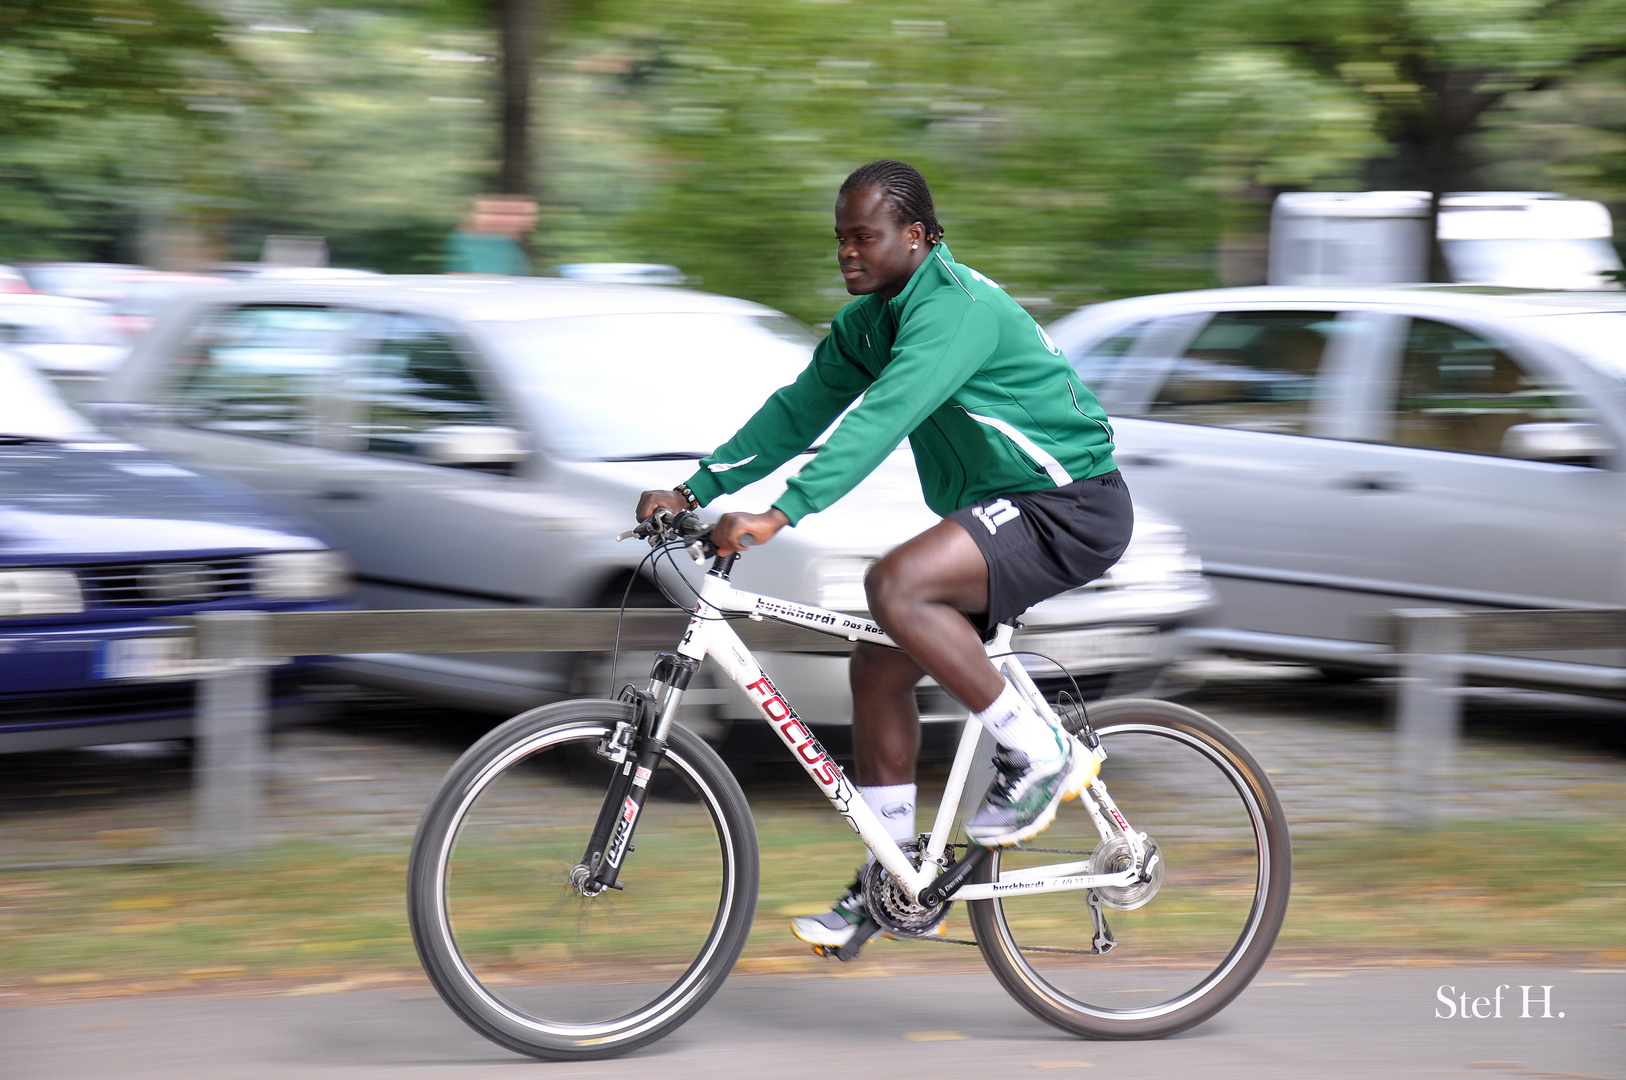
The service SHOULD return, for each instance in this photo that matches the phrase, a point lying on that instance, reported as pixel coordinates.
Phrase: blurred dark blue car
(99, 542)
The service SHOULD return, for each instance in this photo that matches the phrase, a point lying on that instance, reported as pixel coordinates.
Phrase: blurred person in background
(489, 239)
(1013, 451)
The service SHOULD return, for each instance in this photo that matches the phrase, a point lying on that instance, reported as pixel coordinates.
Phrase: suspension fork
(637, 747)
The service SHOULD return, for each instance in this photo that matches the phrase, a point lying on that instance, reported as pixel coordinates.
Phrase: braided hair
(904, 188)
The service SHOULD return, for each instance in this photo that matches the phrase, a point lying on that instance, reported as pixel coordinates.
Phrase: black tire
(522, 957)
(1202, 937)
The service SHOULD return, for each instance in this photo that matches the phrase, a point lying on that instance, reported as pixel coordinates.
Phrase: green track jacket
(988, 403)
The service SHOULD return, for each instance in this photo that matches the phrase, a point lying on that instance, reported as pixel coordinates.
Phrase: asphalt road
(1289, 1024)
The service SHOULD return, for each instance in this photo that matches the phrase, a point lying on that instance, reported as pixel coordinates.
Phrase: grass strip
(1468, 891)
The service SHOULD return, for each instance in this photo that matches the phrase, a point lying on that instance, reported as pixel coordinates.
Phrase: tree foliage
(1436, 72)
(1078, 149)
(106, 110)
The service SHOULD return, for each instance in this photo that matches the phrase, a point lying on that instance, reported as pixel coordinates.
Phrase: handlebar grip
(747, 540)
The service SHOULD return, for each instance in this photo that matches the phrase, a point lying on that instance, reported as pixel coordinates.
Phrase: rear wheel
(1186, 944)
(522, 956)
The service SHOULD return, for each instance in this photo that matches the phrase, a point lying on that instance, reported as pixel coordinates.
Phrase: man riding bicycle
(1013, 451)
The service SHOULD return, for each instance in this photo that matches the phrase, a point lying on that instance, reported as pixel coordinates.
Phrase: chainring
(889, 905)
(1113, 856)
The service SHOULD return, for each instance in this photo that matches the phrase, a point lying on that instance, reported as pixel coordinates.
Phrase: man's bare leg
(920, 594)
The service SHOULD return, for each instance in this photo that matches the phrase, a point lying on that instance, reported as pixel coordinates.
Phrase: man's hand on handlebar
(732, 534)
(650, 501)
(729, 532)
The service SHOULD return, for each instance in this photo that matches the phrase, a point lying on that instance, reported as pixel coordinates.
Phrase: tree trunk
(516, 28)
(1436, 145)
(1437, 268)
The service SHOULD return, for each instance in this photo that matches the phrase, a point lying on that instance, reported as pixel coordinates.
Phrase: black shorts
(1040, 543)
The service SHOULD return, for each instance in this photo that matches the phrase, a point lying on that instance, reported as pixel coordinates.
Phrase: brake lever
(652, 526)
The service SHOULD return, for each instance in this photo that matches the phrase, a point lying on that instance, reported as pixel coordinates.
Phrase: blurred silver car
(64, 337)
(480, 441)
(1339, 452)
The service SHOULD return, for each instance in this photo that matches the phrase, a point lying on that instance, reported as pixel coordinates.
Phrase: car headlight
(1157, 555)
(838, 583)
(301, 575)
(40, 592)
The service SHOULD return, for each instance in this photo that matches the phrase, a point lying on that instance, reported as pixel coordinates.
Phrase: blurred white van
(1516, 239)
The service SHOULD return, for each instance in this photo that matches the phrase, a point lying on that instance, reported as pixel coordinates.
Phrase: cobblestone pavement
(364, 776)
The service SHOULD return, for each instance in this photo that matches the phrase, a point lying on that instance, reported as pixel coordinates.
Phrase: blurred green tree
(1075, 148)
(1079, 149)
(108, 112)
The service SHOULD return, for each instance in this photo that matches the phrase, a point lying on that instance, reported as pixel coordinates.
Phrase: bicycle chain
(1051, 850)
(1023, 948)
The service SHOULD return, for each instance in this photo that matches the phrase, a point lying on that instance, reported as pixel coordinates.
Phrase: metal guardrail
(220, 635)
(233, 714)
(1433, 644)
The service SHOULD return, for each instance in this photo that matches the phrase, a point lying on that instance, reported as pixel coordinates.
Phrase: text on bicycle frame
(809, 751)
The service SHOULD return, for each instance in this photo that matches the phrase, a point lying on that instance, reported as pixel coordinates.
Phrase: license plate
(149, 658)
(1091, 650)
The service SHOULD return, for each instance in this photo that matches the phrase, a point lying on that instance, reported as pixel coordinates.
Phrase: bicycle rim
(531, 963)
(1185, 952)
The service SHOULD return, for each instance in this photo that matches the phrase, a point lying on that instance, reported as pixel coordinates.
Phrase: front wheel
(522, 956)
(1186, 944)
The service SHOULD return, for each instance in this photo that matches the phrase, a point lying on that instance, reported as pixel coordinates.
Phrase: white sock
(894, 804)
(1015, 726)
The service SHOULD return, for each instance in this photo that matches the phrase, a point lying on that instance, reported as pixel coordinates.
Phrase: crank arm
(849, 952)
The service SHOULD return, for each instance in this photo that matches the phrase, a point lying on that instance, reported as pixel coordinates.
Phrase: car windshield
(30, 407)
(1596, 337)
(643, 387)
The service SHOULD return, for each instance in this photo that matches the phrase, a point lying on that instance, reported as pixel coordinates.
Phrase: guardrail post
(1428, 709)
(233, 731)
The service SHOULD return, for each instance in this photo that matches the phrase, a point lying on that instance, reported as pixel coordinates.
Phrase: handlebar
(683, 527)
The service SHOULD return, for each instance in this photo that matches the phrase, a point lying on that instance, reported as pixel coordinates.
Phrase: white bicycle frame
(709, 634)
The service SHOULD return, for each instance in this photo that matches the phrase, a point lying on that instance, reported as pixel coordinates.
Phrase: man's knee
(943, 565)
(889, 583)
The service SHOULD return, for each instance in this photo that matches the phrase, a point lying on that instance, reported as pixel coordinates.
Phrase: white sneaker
(835, 927)
(1024, 797)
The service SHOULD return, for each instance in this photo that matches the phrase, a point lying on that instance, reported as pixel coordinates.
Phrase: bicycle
(524, 924)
